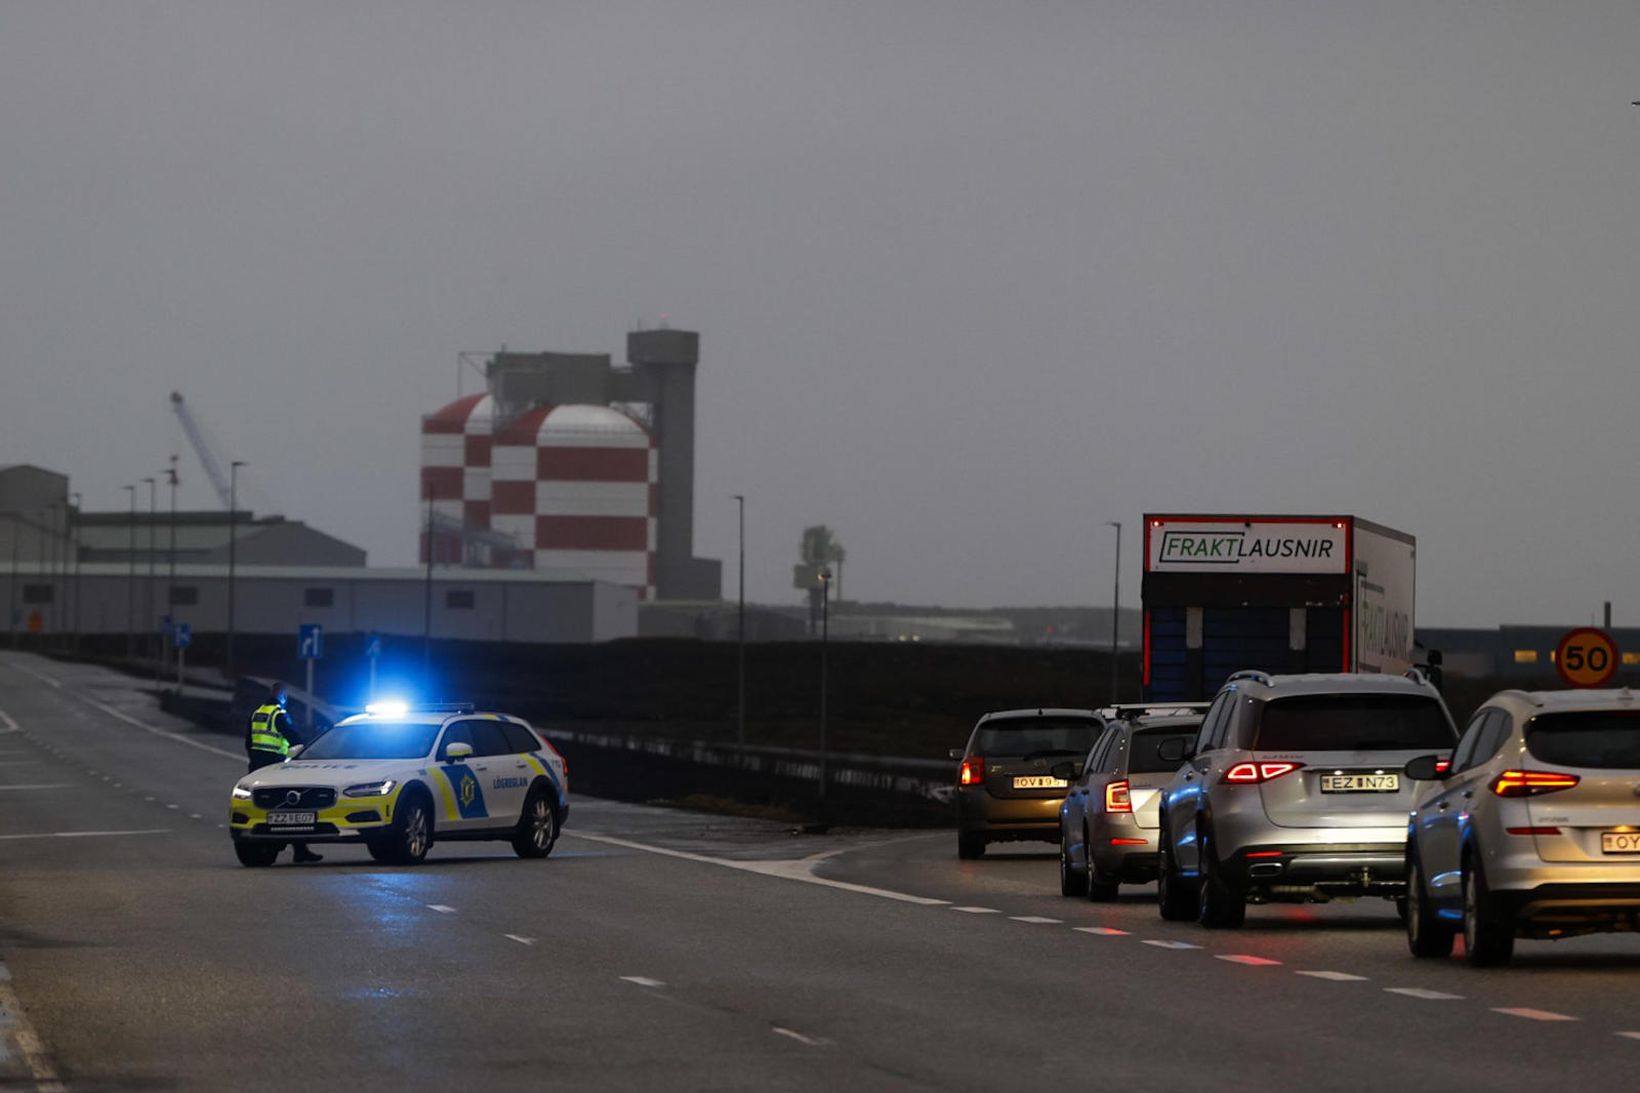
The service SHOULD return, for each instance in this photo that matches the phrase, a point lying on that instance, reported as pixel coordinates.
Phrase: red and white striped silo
(570, 488)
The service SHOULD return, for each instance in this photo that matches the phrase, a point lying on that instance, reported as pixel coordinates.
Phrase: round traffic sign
(1586, 657)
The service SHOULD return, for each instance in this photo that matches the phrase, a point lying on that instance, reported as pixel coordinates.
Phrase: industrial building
(568, 464)
(68, 572)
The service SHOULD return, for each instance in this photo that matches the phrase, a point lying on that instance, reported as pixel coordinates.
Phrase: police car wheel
(380, 850)
(256, 855)
(537, 827)
(413, 836)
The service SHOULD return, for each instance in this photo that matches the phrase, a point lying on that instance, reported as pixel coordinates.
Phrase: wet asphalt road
(679, 951)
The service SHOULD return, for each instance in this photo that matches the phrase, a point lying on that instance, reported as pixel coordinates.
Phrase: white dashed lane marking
(1630, 1035)
(1424, 993)
(1248, 959)
(643, 981)
(1335, 977)
(441, 908)
(791, 1034)
(1037, 920)
(1532, 1014)
(1161, 944)
(977, 910)
(1102, 931)
(520, 940)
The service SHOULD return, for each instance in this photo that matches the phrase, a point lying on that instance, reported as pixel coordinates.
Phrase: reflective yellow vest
(265, 734)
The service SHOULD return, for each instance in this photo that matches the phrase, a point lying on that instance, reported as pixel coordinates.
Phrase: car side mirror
(1175, 751)
(1428, 768)
(1066, 772)
(456, 752)
(295, 750)
(957, 753)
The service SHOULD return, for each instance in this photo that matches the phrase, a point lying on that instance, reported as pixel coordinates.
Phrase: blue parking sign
(183, 636)
(310, 641)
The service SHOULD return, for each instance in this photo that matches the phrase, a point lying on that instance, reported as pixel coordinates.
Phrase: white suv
(1533, 830)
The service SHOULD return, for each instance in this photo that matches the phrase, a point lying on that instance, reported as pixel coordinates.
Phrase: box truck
(1278, 593)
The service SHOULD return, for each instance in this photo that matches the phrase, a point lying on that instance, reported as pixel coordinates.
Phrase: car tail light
(1530, 783)
(1442, 766)
(1533, 830)
(1253, 773)
(564, 762)
(1265, 853)
(973, 771)
(1118, 798)
(1128, 842)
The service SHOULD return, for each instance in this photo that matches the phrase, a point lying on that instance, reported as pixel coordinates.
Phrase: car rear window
(1605, 739)
(1142, 757)
(1021, 736)
(1360, 722)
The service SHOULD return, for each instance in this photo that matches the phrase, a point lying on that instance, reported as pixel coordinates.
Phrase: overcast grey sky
(972, 278)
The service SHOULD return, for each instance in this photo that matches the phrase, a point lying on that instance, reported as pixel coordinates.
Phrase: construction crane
(207, 458)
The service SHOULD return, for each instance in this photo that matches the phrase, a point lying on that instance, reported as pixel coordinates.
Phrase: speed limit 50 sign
(1586, 657)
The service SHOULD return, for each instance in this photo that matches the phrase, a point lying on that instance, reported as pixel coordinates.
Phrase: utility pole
(1115, 610)
(40, 567)
(740, 634)
(233, 543)
(131, 580)
(53, 627)
(825, 633)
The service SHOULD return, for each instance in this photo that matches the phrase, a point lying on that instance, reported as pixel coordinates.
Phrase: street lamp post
(740, 634)
(74, 553)
(150, 623)
(131, 580)
(40, 570)
(1115, 609)
(825, 634)
(54, 619)
(427, 594)
(233, 541)
(166, 639)
(11, 582)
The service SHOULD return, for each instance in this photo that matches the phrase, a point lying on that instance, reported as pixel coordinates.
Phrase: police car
(396, 779)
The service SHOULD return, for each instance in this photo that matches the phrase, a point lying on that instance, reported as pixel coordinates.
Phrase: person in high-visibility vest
(268, 740)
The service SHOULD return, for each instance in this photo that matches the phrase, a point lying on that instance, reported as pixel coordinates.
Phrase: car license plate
(292, 819)
(1039, 781)
(1620, 842)
(1360, 783)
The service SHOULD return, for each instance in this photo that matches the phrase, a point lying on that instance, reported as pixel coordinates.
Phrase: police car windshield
(373, 740)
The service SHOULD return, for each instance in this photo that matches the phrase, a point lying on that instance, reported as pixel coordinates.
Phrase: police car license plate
(292, 819)
(1360, 783)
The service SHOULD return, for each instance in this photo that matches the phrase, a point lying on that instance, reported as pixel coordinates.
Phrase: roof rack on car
(1416, 675)
(1128, 710)
(1257, 674)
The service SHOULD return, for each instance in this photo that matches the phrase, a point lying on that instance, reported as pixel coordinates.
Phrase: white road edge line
(28, 1042)
(1532, 1014)
(787, 870)
(1629, 1035)
(812, 1041)
(41, 676)
(520, 940)
(87, 834)
(977, 910)
(1248, 959)
(1334, 977)
(441, 908)
(178, 737)
(11, 726)
(642, 981)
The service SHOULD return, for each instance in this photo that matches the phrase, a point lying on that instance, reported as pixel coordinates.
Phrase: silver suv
(1294, 791)
(1533, 830)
